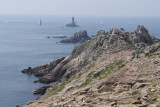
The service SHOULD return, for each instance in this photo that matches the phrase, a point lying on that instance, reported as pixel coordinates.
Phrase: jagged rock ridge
(117, 67)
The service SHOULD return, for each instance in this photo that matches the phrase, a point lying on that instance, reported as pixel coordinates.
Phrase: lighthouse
(72, 24)
(73, 20)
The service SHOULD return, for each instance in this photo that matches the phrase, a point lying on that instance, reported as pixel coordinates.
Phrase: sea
(24, 43)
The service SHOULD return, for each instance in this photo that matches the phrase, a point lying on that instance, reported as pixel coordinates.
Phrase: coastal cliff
(117, 68)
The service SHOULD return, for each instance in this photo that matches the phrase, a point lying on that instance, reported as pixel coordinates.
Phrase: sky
(108, 8)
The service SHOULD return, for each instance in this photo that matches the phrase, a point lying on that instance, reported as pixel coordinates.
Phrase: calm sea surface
(24, 43)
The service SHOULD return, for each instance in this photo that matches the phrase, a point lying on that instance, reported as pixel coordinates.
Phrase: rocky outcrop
(141, 36)
(41, 90)
(78, 37)
(119, 39)
(56, 73)
(40, 71)
(117, 68)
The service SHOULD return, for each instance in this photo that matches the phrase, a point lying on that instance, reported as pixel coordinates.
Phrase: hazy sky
(122, 8)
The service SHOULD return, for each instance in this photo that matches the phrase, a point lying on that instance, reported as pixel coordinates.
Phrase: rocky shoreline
(117, 68)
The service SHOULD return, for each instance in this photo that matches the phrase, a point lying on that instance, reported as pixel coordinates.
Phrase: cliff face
(117, 68)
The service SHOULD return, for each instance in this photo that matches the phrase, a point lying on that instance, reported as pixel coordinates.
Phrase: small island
(80, 37)
(72, 24)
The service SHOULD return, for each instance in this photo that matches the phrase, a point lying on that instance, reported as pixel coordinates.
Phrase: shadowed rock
(41, 90)
(141, 35)
(56, 73)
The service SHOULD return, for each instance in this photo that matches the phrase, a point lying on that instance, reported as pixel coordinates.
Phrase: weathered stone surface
(56, 73)
(78, 37)
(156, 74)
(158, 104)
(140, 85)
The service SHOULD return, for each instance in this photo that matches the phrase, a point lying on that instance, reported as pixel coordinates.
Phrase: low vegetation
(87, 81)
(117, 65)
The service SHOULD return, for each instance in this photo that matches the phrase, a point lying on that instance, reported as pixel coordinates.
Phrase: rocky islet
(78, 37)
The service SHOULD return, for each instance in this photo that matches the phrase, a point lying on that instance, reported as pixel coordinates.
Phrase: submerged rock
(78, 37)
(60, 36)
(17, 106)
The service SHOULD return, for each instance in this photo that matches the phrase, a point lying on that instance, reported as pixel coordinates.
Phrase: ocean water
(23, 43)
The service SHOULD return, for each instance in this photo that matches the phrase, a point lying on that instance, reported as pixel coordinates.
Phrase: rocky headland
(116, 69)
(80, 37)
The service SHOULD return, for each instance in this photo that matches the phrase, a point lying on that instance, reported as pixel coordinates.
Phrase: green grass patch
(152, 50)
(136, 93)
(87, 81)
(62, 86)
(53, 92)
(71, 79)
(153, 94)
(89, 67)
(90, 74)
(117, 65)
(121, 66)
(79, 75)
(119, 62)
(105, 72)
(59, 89)
(141, 52)
(143, 75)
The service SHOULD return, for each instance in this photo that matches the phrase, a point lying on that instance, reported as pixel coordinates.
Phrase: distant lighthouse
(40, 22)
(72, 24)
(73, 20)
